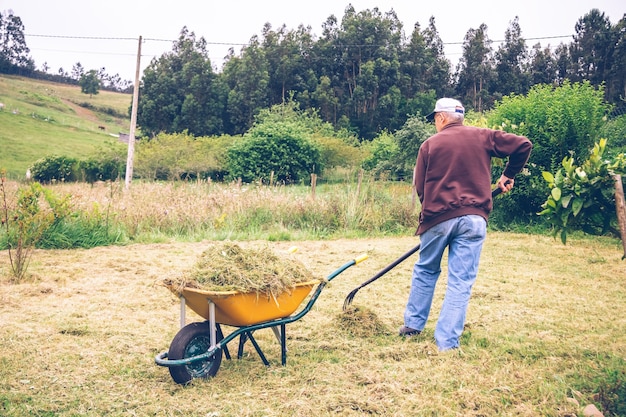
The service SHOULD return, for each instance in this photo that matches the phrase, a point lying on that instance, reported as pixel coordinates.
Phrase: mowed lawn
(545, 336)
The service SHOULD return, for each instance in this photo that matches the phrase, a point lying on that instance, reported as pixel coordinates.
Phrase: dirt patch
(81, 111)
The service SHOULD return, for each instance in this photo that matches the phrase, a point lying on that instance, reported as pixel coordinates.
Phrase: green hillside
(41, 118)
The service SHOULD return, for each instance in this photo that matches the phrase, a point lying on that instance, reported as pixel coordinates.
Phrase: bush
(282, 147)
(54, 168)
(394, 155)
(561, 122)
(614, 131)
(582, 197)
(181, 156)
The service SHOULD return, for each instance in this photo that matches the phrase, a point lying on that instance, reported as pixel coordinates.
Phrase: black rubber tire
(192, 340)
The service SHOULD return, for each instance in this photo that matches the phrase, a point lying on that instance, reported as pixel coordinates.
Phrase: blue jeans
(464, 237)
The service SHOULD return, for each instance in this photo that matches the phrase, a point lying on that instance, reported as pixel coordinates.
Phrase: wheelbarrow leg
(182, 312)
(280, 336)
(283, 344)
(257, 348)
(242, 341)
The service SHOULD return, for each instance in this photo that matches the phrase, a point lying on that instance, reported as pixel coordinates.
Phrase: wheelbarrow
(197, 349)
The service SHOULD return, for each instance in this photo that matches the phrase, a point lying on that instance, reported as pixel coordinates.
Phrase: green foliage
(612, 390)
(383, 153)
(108, 164)
(393, 156)
(561, 122)
(336, 152)
(180, 156)
(282, 147)
(180, 92)
(23, 225)
(41, 218)
(54, 168)
(582, 197)
(409, 138)
(13, 49)
(615, 133)
(90, 83)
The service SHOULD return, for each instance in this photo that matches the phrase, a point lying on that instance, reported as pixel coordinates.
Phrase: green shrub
(383, 156)
(282, 147)
(179, 156)
(614, 131)
(54, 168)
(582, 197)
(561, 122)
(393, 155)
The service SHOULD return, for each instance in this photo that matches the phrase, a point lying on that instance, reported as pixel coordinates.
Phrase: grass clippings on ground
(360, 321)
(545, 336)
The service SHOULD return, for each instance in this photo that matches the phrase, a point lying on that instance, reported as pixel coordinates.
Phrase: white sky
(234, 22)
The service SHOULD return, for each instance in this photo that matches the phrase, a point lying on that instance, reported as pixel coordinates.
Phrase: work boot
(408, 332)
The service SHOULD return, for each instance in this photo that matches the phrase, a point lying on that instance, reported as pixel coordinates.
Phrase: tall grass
(107, 213)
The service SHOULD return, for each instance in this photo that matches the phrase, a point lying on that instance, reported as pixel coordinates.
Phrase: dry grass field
(545, 328)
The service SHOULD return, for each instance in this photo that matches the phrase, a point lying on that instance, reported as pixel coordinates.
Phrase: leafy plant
(23, 225)
(54, 168)
(282, 147)
(582, 197)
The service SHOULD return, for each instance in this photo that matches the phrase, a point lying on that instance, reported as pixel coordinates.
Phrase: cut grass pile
(358, 321)
(226, 266)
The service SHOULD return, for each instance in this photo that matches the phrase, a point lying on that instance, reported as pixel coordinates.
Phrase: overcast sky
(54, 28)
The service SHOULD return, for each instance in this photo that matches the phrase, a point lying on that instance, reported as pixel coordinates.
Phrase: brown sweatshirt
(452, 174)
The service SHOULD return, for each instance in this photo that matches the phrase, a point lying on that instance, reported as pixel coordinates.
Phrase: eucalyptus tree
(328, 93)
(289, 58)
(369, 43)
(512, 63)
(425, 71)
(543, 67)
(592, 48)
(181, 92)
(13, 49)
(439, 73)
(247, 77)
(475, 69)
(563, 62)
(616, 77)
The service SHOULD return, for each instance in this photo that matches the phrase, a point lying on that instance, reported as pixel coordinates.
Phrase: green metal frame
(246, 331)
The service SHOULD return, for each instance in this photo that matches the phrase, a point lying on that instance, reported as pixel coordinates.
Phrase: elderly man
(452, 178)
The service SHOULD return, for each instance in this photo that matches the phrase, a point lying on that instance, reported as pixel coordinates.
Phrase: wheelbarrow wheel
(192, 340)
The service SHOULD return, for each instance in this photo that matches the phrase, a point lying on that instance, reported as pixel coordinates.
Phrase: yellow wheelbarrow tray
(234, 308)
(196, 350)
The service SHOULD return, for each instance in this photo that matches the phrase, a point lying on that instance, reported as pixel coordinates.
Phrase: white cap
(448, 105)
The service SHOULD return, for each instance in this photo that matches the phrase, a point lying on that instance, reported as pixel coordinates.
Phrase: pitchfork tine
(349, 298)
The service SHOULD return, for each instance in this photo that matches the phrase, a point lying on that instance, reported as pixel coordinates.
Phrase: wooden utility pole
(133, 122)
(620, 207)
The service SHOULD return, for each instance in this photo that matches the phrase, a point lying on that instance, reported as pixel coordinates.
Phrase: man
(452, 178)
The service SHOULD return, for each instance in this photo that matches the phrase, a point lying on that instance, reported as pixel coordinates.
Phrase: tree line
(363, 73)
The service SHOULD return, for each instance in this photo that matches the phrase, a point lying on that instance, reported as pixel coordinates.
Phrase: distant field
(42, 118)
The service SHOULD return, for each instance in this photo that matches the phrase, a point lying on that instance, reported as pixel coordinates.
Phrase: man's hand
(505, 184)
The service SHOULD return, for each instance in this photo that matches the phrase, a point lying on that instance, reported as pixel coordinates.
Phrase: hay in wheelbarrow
(225, 266)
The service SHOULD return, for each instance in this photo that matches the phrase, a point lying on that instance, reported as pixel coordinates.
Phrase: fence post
(620, 208)
(313, 184)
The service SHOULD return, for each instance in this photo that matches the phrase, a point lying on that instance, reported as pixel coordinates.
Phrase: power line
(245, 44)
